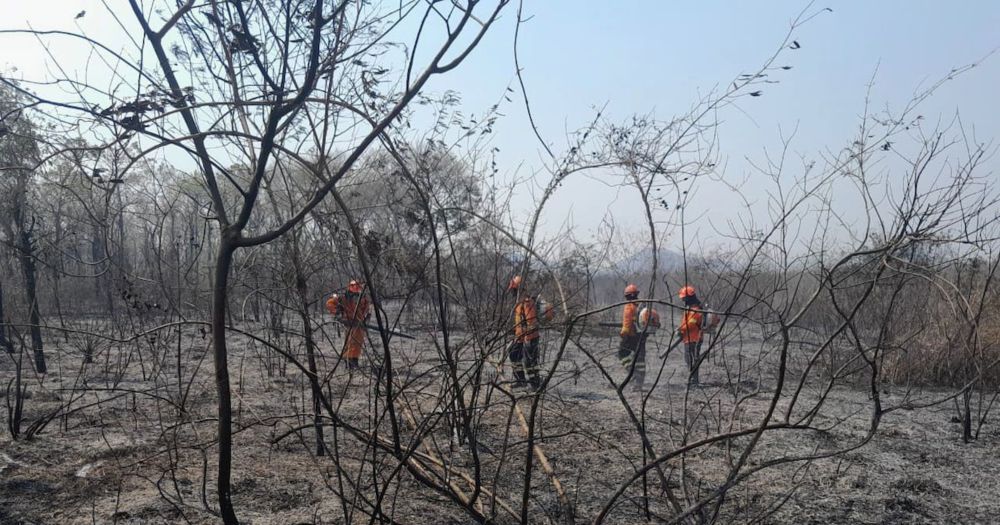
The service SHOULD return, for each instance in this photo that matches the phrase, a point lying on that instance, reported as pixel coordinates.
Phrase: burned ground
(120, 452)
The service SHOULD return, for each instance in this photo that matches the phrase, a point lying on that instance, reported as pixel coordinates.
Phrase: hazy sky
(641, 56)
(659, 56)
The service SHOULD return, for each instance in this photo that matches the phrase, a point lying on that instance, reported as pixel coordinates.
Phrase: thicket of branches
(247, 158)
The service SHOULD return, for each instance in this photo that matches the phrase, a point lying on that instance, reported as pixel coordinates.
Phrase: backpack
(649, 318)
(709, 320)
(546, 310)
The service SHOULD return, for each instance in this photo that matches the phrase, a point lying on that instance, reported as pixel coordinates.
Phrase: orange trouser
(354, 343)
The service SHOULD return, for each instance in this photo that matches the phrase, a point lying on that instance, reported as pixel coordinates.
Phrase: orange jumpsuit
(690, 330)
(630, 320)
(633, 344)
(352, 310)
(691, 325)
(526, 320)
(524, 352)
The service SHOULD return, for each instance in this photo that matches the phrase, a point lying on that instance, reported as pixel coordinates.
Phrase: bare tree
(18, 151)
(248, 157)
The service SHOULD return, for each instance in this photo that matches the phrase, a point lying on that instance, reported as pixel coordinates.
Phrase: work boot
(639, 377)
(519, 379)
(535, 383)
(352, 364)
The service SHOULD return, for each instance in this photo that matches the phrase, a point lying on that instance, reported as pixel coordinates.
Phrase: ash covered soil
(121, 453)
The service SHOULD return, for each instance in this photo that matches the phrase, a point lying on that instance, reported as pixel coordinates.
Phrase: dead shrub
(956, 353)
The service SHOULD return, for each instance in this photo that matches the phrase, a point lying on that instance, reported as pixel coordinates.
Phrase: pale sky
(658, 56)
(642, 56)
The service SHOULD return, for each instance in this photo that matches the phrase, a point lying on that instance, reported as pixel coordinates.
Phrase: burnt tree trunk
(220, 296)
(301, 286)
(57, 271)
(4, 341)
(96, 255)
(302, 290)
(25, 248)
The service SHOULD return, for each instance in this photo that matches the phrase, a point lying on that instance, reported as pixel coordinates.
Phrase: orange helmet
(631, 289)
(515, 283)
(354, 287)
(686, 291)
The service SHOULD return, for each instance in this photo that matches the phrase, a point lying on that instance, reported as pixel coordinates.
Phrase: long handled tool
(672, 346)
(375, 328)
(387, 331)
(664, 354)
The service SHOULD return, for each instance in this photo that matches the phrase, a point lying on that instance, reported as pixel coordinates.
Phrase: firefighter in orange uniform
(352, 311)
(633, 337)
(523, 353)
(690, 331)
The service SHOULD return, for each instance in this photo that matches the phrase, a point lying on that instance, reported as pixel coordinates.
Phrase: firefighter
(634, 332)
(690, 331)
(524, 352)
(352, 311)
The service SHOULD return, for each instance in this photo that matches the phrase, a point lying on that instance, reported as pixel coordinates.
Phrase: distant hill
(642, 261)
(634, 268)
